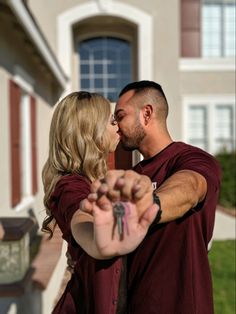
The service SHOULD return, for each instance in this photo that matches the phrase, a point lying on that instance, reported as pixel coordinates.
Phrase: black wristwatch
(157, 201)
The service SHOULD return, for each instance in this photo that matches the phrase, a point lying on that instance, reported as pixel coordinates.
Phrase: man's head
(141, 105)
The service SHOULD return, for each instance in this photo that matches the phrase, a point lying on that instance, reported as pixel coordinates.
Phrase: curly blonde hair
(78, 143)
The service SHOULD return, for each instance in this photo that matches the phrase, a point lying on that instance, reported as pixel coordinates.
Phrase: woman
(82, 133)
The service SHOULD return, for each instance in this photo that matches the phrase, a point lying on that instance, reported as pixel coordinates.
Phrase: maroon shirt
(93, 288)
(169, 272)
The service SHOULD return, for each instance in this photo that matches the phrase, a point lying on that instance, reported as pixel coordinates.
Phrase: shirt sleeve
(69, 192)
(203, 163)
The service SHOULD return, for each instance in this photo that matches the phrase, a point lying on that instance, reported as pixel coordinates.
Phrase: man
(168, 273)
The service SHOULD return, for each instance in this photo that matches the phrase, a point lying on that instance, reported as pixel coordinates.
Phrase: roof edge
(25, 18)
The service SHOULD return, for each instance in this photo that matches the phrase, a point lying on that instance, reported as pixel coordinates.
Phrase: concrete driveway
(225, 226)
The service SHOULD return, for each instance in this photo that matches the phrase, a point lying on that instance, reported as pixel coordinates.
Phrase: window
(105, 65)
(210, 124)
(218, 28)
(23, 146)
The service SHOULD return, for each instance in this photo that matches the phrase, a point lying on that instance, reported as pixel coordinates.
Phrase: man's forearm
(181, 192)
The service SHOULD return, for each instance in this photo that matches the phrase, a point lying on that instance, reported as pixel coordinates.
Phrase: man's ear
(147, 111)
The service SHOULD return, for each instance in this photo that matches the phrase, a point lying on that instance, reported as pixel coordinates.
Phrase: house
(49, 48)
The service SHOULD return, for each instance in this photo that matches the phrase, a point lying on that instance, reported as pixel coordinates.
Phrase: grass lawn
(222, 261)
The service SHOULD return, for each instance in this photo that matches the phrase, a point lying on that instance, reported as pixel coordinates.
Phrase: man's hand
(120, 185)
(135, 191)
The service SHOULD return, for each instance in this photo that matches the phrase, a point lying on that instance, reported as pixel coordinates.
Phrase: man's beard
(132, 140)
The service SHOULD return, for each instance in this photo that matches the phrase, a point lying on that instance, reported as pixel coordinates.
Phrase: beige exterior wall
(46, 13)
(215, 82)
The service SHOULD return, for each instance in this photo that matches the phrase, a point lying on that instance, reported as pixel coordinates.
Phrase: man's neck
(154, 146)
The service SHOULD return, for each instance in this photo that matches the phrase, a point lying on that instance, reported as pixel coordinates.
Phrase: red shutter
(191, 28)
(33, 145)
(15, 96)
(111, 161)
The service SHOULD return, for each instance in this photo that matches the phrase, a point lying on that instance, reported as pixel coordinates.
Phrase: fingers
(86, 206)
(122, 185)
(144, 186)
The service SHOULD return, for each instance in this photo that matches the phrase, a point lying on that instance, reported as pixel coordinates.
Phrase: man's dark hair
(141, 85)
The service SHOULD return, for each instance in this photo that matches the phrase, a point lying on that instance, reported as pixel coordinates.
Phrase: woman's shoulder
(72, 182)
(74, 178)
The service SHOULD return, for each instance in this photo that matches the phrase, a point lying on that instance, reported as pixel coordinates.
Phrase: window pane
(98, 54)
(98, 83)
(84, 68)
(229, 39)
(218, 28)
(98, 68)
(211, 30)
(223, 127)
(197, 126)
(105, 65)
(85, 84)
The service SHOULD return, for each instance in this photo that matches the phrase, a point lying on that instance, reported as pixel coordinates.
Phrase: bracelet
(156, 200)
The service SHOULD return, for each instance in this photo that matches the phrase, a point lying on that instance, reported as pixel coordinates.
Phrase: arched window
(105, 65)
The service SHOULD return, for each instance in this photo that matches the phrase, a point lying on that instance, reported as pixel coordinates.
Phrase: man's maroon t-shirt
(169, 272)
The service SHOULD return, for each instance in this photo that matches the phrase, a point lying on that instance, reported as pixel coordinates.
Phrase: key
(124, 219)
(119, 212)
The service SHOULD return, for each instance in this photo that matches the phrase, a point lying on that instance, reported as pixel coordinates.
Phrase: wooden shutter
(191, 28)
(15, 98)
(33, 145)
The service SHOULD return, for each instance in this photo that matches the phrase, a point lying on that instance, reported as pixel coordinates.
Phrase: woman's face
(112, 129)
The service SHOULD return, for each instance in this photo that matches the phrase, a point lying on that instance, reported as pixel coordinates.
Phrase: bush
(222, 262)
(228, 185)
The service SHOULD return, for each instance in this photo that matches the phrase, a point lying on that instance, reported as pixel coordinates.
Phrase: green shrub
(222, 262)
(228, 185)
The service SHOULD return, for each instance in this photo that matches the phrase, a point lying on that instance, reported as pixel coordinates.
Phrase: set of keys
(120, 211)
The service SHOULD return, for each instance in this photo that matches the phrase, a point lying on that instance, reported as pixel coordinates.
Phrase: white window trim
(143, 20)
(206, 64)
(23, 79)
(25, 204)
(210, 101)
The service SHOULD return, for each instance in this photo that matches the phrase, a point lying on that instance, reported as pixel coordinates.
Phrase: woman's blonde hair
(78, 143)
